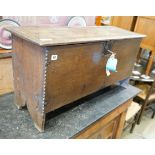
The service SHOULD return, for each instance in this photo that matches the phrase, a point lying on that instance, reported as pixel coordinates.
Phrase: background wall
(48, 20)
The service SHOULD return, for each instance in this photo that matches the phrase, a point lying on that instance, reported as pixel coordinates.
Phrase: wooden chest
(53, 67)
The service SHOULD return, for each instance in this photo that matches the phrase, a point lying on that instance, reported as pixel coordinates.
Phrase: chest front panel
(74, 71)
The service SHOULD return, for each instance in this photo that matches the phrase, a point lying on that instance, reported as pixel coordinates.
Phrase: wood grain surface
(49, 36)
(80, 70)
(44, 84)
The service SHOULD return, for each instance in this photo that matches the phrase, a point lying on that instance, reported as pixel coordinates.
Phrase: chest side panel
(28, 72)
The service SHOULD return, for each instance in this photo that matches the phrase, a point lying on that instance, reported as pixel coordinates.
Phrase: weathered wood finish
(80, 70)
(45, 85)
(51, 36)
(75, 74)
(108, 127)
(28, 64)
(126, 51)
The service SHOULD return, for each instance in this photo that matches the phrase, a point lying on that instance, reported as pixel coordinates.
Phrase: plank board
(49, 36)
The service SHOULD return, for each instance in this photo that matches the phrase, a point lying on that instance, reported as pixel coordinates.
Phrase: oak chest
(53, 67)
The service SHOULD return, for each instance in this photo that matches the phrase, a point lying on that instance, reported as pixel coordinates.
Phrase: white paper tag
(111, 65)
(54, 57)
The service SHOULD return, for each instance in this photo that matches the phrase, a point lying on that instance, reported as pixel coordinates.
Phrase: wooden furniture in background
(108, 127)
(6, 77)
(146, 25)
(98, 20)
(125, 22)
(146, 97)
(132, 115)
(57, 66)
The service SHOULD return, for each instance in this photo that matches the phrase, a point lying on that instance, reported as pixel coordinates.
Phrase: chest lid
(51, 36)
